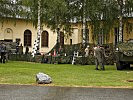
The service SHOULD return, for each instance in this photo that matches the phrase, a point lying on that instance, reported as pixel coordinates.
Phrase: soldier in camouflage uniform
(99, 54)
(3, 52)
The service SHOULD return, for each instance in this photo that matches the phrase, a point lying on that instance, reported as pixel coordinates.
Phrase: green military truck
(124, 55)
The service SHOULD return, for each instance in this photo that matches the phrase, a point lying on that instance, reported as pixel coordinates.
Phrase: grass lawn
(64, 74)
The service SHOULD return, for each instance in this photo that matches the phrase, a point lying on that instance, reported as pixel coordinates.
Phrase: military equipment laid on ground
(124, 55)
(10, 46)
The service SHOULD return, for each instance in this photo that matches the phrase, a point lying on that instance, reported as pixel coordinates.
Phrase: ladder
(74, 57)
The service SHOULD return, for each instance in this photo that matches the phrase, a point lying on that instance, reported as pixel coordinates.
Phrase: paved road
(25, 92)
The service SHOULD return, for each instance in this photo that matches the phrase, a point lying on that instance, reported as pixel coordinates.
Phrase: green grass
(64, 74)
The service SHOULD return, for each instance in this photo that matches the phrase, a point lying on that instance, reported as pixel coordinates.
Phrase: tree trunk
(120, 30)
(85, 36)
(39, 22)
(121, 3)
(37, 41)
(58, 39)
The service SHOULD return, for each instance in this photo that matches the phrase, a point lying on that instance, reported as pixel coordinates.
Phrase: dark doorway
(70, 41)
(8, 40)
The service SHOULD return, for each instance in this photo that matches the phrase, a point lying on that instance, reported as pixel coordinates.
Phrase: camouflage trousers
(3, 58)
(99, 63)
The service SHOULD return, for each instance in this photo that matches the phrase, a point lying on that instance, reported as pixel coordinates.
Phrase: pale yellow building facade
(15, 29)
(11, 29)
(112, 37)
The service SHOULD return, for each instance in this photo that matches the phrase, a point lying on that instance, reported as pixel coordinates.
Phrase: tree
(53, 13)
(125, 7)
(58, 18)
(58, 14)
(93, 11)
(78, 10)
(103, 14)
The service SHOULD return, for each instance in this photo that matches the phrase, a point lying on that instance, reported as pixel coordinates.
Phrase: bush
(25, 57)
(18, 57)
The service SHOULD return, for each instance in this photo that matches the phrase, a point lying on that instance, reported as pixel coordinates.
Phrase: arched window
(44, 39)
(27, 38)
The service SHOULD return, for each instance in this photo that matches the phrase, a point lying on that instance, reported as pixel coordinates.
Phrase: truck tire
(119, 65)
(127, 66)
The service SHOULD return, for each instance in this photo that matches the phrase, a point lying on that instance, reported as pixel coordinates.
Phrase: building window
(117, 35)
(101, 37)
(44, 39)
(27, 38)
(116, 31)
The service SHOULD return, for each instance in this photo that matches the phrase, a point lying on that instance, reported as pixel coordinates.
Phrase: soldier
(99, 54)
(87, 51)
(0, 52)
(3, 52)
(17, 47)
(27, 50)
(60, 50)
(21, 49)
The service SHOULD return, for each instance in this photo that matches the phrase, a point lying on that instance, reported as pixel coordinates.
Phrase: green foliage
(25, 57)
(19, 57)
(56, 14)
(59, 13)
